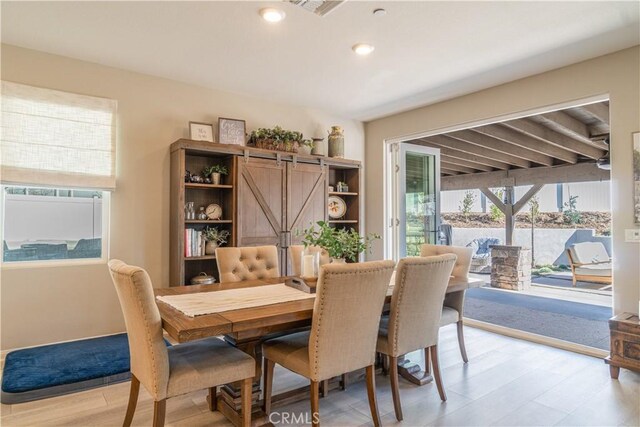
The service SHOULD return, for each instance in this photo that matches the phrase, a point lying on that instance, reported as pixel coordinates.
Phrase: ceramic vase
(215, 178)
(336, 142)
(210, 248)
(318, 147)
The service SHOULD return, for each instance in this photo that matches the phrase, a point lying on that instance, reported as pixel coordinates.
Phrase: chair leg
(343, 382)
(427, 361)
(395, 387)
(212, 399)
(385, 364)
(371, 393)
(463, 350)
(436, 372)
(245, 396)
(159, 410)
(268, 385)
(315, 403)
(133, 401)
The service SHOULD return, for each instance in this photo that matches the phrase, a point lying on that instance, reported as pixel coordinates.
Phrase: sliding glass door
(413, 211)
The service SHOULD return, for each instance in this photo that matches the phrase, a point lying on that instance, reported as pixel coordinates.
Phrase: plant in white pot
(305, 147)
(215, 172)
(342, 245)
(214, 238)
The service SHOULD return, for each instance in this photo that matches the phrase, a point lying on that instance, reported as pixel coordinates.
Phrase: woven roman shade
(55, 138)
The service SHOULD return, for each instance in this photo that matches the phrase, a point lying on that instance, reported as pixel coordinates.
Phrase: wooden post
(509, 220)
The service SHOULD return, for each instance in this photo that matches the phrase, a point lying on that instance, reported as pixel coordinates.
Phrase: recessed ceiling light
(363, 49)
(379, 12)
(270, 14)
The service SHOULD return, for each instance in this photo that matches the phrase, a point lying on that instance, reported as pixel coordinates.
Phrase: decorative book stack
(193, 243)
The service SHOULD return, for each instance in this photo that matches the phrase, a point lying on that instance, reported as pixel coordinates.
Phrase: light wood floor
(507, 382)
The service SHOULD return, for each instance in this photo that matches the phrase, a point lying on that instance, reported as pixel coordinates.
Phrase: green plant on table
(221, 169)
(338, 242)
(212, 234)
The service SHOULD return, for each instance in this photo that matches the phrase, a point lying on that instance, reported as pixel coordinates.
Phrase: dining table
(247, 327)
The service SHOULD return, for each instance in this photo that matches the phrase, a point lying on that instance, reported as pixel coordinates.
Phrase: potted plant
(215, 172)
(278, 139)
(214, 238)
(305, 147)
(341, 244)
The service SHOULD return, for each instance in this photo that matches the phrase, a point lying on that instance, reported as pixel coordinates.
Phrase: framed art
(231, 131)
(201, 131)
(636, 176)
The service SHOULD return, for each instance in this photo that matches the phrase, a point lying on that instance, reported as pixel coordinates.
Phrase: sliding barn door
(306, 199)
(261, 204)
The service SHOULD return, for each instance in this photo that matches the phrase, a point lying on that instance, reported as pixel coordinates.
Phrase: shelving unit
(302, 174)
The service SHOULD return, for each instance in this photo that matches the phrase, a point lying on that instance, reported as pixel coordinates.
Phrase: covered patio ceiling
(554, 147)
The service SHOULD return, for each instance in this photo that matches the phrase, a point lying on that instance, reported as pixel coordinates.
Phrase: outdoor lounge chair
(481, 258)
(590, 262)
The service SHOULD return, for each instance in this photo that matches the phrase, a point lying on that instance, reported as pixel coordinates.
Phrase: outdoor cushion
(602, 270)
(589, 252)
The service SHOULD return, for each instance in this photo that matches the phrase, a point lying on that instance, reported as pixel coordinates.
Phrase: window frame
(68, 262)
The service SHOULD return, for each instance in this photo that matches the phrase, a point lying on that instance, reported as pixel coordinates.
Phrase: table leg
(412, 372)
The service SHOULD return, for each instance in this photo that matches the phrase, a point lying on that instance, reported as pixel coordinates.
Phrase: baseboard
(539, 339)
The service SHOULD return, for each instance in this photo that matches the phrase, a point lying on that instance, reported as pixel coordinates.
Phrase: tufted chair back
(416, 304)
(148, 351)
(463, 263)
(346, 314)
(247, 263)
(296, 256)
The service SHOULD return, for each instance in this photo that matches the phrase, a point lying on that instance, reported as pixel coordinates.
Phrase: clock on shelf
(214, 211)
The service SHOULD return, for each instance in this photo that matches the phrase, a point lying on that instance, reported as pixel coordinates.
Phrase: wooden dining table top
(252, 321)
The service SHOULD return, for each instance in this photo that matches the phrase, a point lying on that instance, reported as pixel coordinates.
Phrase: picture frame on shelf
(231, 131)
(199, 131)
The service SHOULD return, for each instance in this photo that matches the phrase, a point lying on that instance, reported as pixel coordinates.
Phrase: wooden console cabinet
(625, 344)
(265, 199)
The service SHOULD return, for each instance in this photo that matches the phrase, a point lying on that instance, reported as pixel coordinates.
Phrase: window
(57, 170)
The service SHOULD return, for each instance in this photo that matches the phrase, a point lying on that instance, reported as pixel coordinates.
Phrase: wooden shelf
(343, 221)
(208, 221)
(207, 186)
(344, 193)
(196, 258)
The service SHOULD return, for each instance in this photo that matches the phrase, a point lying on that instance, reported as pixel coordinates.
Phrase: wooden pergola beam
(567, 125)
(487, 141)
(461, 162)
(556, 138)
(598, 110)
(494, 199)
(445, 171)
(526, 197)
(446, 141)
(472, 158)
(580, 172)
(526, 141)
(454, 167)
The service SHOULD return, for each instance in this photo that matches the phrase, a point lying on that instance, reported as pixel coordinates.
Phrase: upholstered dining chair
(296, 256)
(247, 263)
(180, 369)
(452, 310)
(344, 327)
(414, 320)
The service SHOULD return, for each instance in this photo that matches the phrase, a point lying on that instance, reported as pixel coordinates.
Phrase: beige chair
(247, 263)
(414, 320)
(180, 369)
(296, 256)
(343, 334)
(589, 262)
(452, 311)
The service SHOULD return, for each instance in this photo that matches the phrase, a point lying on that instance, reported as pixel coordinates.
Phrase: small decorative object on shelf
(203, 279)
(331, 189)
(214, 238)
(201, 131)
(187, 176)
(306, 145)
(215, 173)
(342, 187)
(276, 139)
(231, 131)
(341, 244)
(318, 147)
(194, 243)
(336, 142)
(202, 214)
(336, 207)
(189, 212)
(214, 211)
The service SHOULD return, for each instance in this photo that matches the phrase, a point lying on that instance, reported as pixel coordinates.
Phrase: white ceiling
(425, 51)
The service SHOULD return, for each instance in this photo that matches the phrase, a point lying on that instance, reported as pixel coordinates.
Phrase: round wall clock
(337, 207)
(214, 211)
